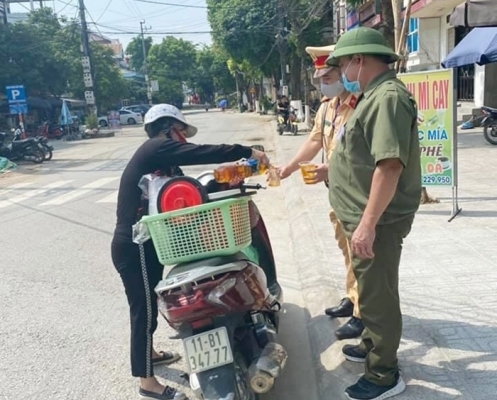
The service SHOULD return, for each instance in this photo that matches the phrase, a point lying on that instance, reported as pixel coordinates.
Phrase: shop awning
(478, 47)
(475, 13)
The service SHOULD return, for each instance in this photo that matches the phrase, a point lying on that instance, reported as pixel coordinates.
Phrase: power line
(170, 4)
(105, 9)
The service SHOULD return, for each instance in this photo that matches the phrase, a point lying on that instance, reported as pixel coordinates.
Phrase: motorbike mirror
(258, 147)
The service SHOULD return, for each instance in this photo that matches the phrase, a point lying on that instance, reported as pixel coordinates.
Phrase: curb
(311, 253)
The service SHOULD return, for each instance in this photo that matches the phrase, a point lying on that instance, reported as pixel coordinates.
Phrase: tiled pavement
(448, 282)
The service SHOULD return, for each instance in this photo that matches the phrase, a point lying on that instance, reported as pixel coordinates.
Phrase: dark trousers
(140, 272)
(379, 303)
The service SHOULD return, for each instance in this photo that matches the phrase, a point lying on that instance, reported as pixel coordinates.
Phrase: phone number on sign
(433, 179)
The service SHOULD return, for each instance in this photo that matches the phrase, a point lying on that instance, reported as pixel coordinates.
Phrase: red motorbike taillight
(232, 292)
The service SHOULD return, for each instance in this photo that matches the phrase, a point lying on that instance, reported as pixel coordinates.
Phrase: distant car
(126, 118)
(140, 108)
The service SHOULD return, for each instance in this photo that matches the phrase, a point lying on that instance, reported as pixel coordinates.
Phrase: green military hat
(361, 41)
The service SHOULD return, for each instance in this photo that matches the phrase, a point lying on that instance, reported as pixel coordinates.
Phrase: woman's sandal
(167, 357)
(168, 394)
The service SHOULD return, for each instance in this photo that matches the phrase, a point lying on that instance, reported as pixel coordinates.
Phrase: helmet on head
(160, 111)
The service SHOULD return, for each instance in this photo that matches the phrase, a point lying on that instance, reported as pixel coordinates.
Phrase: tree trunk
(388, 25)
(296, 81)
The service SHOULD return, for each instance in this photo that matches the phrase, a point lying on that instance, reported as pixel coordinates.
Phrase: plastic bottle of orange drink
(236, 172)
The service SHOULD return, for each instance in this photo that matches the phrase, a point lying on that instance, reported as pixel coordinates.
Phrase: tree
(172, 63)
(135, 51)
(246, 31)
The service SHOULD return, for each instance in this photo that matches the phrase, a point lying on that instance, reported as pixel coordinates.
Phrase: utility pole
(88, 75)
(145, 65)
(281, 37)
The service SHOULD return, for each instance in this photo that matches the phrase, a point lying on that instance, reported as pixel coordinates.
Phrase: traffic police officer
(336, 106)
(375, 189)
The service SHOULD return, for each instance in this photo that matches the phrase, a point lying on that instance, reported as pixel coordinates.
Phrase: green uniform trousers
(378, 286)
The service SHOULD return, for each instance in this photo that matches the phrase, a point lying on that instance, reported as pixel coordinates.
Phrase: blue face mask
(351, 87)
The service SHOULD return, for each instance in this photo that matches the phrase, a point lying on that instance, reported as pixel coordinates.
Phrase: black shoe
(168, 394)
(354, 353)
(344, 309)
(352, 329)
(167, 357)
(365, 390)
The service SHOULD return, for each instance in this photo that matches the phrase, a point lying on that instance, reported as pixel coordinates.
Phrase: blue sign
(352, 19)
(16, 94)
(19, 108)
(16, 97)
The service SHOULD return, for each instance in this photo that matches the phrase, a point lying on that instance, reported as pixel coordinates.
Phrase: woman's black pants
(140, 272)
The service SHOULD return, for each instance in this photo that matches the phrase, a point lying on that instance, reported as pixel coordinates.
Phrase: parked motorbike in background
(25, 149)
(42, 142)
(225, 306)
(489, 124)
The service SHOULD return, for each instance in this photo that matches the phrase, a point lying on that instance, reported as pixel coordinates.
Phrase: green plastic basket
(214, 229)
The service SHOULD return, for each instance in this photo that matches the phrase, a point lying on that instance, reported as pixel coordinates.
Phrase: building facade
(430, 39)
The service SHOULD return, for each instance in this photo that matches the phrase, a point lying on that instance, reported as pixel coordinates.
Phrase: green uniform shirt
(383, 125)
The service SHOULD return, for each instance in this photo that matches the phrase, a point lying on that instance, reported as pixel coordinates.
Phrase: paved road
(64, 324)
(448, 281)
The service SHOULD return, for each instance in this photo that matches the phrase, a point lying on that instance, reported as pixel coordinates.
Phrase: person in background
(140, 270)
(284, 108)
(375, 190)
(336, 106)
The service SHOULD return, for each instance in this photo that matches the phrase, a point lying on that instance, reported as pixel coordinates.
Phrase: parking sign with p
(16, 94)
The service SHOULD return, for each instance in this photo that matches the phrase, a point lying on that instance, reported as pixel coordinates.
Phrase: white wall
(429, 54)
(479, 85)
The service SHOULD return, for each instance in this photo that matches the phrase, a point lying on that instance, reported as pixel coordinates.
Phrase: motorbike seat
(23, 140)
(490, 109)
(198, 270)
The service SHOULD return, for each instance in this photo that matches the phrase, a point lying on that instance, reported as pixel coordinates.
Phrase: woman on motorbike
(140, 270)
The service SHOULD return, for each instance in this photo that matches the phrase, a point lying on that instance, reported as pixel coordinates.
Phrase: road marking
(14, 187)
(111, 198)
(32, 193)
(79, 192)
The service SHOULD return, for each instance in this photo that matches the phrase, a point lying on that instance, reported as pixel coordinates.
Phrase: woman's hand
(261, 157)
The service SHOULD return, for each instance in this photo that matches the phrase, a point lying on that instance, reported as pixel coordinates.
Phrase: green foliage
(91, 121)
(135, 51)
(246, 31)
(44, 55)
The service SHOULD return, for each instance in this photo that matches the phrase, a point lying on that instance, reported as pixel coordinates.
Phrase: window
(413, 36)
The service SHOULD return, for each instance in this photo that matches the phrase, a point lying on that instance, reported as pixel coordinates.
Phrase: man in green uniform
(375, 189)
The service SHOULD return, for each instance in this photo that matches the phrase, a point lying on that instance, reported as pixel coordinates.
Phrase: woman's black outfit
(138, 266)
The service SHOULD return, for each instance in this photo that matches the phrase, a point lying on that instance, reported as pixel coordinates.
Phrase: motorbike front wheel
(490, 132)
(48, 153)
(38, 156)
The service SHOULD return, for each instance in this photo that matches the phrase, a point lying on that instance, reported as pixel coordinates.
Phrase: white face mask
(333, 90)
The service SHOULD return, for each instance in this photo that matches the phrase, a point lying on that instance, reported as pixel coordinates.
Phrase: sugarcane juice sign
(433, 91)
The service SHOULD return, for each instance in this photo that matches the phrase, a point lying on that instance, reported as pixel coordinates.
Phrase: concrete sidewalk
(448, 282)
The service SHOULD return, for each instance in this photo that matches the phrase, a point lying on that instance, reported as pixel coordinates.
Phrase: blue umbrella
(478, 47)
(65, 115)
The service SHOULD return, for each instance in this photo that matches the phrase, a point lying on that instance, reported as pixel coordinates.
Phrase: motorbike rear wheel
(490, 132)
(242, 388)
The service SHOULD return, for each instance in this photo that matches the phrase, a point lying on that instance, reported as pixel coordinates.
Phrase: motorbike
(489, 124)
(42, 142)
(291, 124)
(51, 131)
(25, 149)
(225, 308)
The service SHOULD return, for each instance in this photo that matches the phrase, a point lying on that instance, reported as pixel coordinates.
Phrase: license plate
(208, 350)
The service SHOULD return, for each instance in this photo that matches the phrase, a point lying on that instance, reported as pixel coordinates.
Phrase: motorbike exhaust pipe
(263, 371)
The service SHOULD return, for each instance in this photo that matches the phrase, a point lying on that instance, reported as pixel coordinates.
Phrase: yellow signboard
(434, 94)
